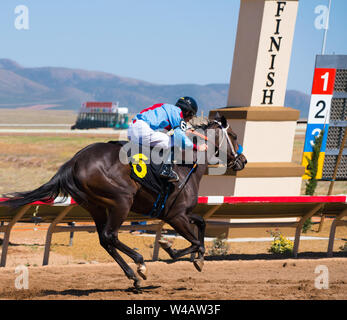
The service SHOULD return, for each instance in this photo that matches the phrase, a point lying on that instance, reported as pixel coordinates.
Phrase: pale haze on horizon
(162, 42)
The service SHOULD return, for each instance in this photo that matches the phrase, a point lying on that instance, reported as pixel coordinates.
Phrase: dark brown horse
(97, 180)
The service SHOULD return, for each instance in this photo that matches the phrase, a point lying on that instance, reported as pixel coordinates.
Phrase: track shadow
(270, 256)
(80, 293)
(10, 243)
(264, 256)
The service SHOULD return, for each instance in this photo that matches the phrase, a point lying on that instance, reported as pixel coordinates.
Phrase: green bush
(307, 225)
(280, 244)
(312, 168)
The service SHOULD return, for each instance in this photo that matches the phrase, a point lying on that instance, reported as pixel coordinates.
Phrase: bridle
(237, 160)
(236, 154)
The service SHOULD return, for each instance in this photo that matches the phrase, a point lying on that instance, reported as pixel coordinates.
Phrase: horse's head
(225, 143)
(235, 158)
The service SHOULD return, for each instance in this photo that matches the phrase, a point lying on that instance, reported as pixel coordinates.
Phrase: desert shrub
(307, 226)
(219, 246)
(280, 244)
(344, 247)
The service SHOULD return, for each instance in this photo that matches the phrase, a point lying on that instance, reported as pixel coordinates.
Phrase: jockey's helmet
(187, 104)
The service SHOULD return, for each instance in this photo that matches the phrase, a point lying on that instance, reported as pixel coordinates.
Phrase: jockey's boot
(167, 173)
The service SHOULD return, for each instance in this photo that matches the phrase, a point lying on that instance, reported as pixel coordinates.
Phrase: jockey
(146, 125)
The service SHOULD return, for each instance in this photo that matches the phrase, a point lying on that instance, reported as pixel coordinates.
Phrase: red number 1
(323, 81)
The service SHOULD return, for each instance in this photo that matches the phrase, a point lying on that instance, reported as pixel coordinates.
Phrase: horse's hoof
(137, 287)
(192, 257)
(165, 244)
(198, 264)
(142, 271)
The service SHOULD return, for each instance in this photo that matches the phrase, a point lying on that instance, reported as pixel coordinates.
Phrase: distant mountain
(64, 88)
(298, 100)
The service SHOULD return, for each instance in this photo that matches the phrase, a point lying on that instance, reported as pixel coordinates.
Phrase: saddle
(146, 172)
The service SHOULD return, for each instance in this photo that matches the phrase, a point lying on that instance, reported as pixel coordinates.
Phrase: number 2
(318, 114)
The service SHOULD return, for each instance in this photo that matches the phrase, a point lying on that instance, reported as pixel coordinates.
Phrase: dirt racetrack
(228, 280)
(85, 271)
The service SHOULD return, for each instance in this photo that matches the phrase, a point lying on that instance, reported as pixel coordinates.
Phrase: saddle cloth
(146, 172)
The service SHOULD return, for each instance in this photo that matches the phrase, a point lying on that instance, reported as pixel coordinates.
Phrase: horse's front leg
(182, 225)
(173, 253)
(110, 241)
(201, 225)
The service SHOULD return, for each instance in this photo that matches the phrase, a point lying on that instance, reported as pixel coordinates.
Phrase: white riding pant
(140, 132)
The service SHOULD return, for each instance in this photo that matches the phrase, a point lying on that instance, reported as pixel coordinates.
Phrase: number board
(327, 112)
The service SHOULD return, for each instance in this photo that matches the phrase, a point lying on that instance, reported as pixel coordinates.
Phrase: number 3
(316, 132)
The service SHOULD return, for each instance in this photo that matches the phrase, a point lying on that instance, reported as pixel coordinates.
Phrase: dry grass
(24, 116)
(28, 161)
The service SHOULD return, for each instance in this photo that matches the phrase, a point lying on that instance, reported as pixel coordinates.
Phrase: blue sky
(160, 41)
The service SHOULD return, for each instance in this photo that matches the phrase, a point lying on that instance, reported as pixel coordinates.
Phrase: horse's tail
(63, 184)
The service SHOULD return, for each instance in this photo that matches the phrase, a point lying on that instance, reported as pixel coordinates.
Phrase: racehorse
(97, 180)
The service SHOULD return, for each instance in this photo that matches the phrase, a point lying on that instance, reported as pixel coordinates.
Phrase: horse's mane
(201, 123)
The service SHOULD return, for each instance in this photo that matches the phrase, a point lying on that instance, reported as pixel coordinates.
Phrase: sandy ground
(230, 280)
(246, 271)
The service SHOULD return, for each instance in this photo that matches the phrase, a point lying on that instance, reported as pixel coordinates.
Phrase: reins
(195, 164)
(197, 134)
(225, 134)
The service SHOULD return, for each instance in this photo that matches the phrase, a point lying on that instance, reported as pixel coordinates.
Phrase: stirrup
(173, 177)
(168, 173)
